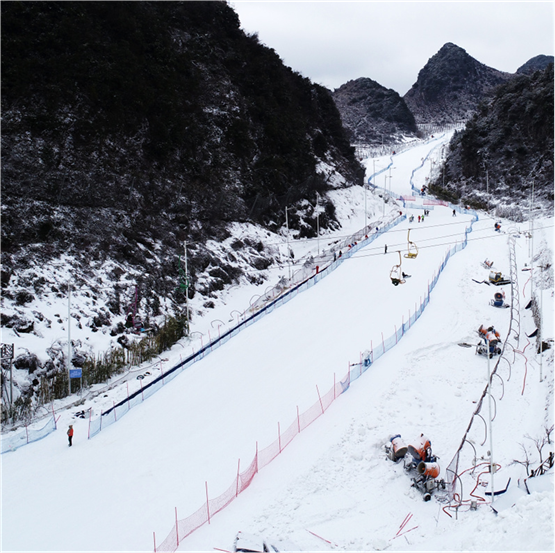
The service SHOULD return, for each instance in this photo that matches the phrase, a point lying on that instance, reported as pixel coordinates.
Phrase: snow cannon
(428, 469)
(498, 298)
(398, 448)
(421, 449)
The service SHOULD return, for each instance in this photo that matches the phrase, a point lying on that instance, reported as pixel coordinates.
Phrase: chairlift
(396, 274)
(412, 249)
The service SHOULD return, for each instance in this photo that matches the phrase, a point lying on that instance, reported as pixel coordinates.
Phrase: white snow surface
(332, 487)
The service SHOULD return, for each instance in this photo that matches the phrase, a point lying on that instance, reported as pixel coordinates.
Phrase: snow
(332, 487)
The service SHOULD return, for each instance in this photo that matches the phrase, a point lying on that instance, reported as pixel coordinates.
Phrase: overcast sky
(332, 42)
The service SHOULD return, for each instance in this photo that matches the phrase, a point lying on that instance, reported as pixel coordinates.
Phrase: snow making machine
(499, 300)
(419, 463)
(489, 337)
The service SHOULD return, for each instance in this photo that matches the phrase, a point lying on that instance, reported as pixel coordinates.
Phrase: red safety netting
(244, 480)
(265, 456)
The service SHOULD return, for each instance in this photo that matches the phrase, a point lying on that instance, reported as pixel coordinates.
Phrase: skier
(70, 434)
(385, 249)
(498, 227)
(454, 213)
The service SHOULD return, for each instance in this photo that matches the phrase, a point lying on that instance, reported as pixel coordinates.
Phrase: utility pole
(385, 192)
(531, 223)
(69, 337)
(365, 209)
(287, 238)
(318, 218)
(186, 288)
(491, 465)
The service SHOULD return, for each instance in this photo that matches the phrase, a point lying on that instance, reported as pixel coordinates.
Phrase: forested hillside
(505, 149)
(129, 127)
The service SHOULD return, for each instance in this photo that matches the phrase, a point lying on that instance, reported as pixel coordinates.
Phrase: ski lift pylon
(396, 274)
(412, 249)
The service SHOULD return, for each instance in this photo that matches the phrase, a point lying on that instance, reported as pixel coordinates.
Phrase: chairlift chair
(396, 274)
(412, 249)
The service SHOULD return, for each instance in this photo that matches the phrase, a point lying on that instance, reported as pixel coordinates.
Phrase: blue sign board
(75, 373)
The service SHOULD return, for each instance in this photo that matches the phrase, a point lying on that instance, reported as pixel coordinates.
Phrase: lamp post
(69, 338)
(365, 208)
(318, 220)
(186, 287)
(287, 240)
(491, 465)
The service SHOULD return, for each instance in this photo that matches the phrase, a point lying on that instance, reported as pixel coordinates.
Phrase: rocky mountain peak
(373, 113)
(537, 63)
(451, 85)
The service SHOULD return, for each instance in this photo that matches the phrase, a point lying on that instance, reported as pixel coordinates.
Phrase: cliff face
(505, 149)
(129, 127)
(372, 113)
(450, 86)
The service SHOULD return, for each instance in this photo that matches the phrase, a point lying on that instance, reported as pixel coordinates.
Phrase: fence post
(27, 433)
(334, 386)
(162, 371)
(207, 505)
(321, 404)
(154, 536)
(256, 457)
(237, 487)
(395, 326)
(142, 394)
(298, 420)
(128, 406)
(279, 438)
(383, 344)
(90, 415)
(114, 409)
(176, 527)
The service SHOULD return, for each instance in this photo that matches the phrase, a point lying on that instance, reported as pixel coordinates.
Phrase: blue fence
(23, 437)
(13, 440)
(120, 409)
(370, 357)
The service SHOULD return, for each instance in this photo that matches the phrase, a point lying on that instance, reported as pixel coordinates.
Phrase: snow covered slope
(111, 492)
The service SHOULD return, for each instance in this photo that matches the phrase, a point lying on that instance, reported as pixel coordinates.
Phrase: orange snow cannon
(428, 469)
(421, 449)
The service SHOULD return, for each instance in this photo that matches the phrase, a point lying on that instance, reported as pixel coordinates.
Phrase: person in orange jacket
(70, 433)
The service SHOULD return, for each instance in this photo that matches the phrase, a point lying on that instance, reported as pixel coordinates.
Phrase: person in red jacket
(70, 433)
